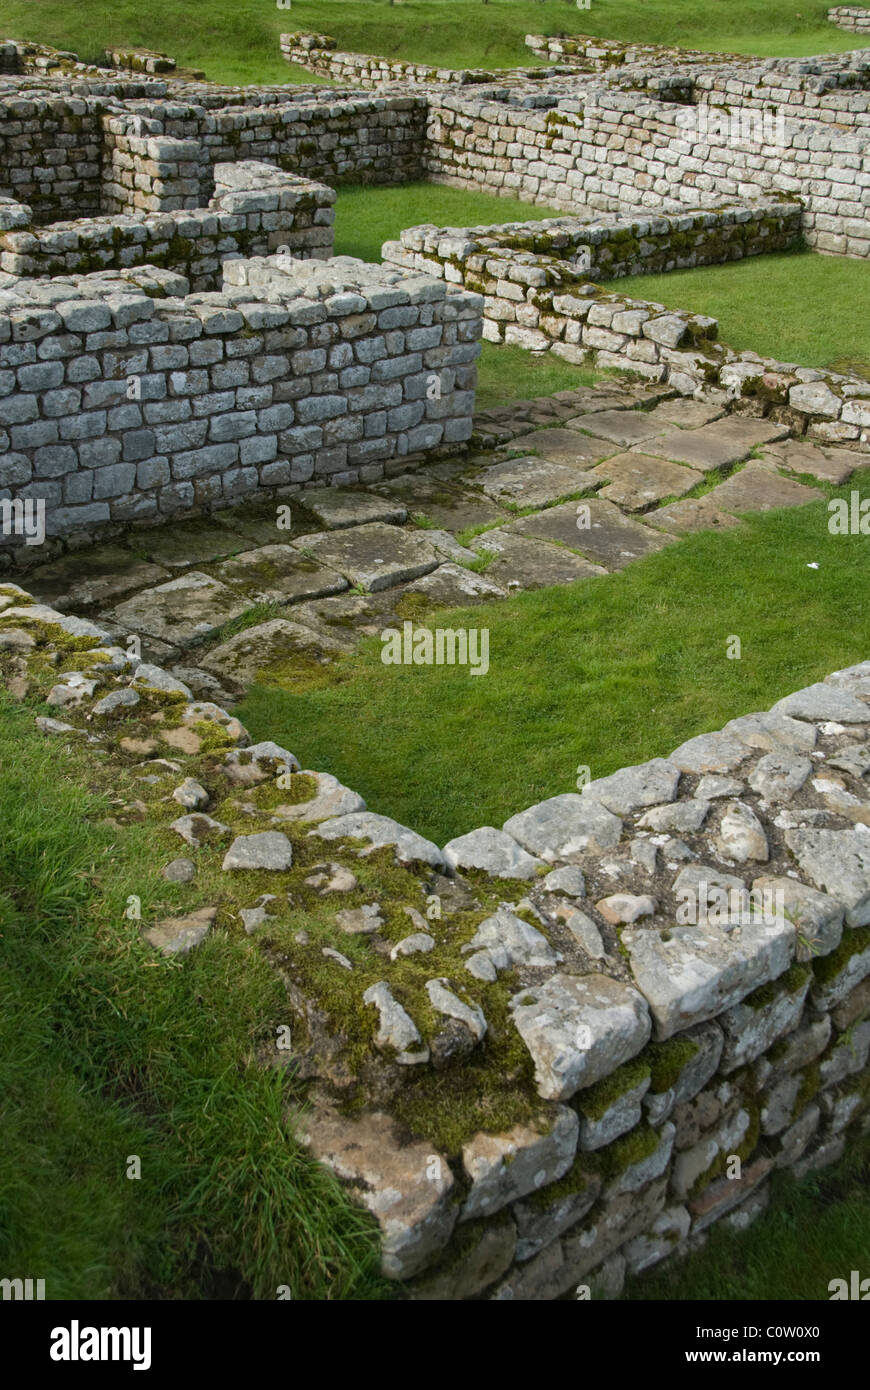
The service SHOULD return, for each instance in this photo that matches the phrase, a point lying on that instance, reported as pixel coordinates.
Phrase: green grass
(814, 1231)
(506, 374)
(603, 673)
(366, 217)
(107, 1051)
(796, 307)
(237, 40)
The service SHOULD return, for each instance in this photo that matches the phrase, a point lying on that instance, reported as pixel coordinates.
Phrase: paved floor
(562, 489)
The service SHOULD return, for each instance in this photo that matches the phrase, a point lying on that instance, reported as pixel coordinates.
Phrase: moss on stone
(596, 1100)
(827, 968)
(667, 1060)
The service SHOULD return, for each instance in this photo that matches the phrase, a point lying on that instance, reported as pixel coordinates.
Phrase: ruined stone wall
(51, 154)
(117, 405)
(256, 209)
(542, 302)
(319, 53)
(658, 986)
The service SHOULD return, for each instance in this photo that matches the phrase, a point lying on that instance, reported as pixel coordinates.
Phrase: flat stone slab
(824, 702)
(453, 586)
(717, 445)
(622, 426)
(191, 606)
(263, 523)
(177, 936)
(373, 556)
(566, 446)
(690, 514)
(759, 488)
(341, 620)
(269, 850)
(269, 652)
(439, 500)
(636, 481)
(93, 578)
(493, 851)
(534, 482)
(336, 507)
(379, 831)
(503, 1167)
(278, 574)
(564, 827)
(688, 414)
(838, 862)
(610, 539)
(188, 543)
(525, 563)
(690, 974)
(579, 1029)
(829, 465)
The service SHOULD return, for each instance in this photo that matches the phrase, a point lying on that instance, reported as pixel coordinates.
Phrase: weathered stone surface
(93, 578)
(503, 940)
(278, 574)
(716, 445)
(445, 1001)
(397, 1031)
(565, 827)
(177, 936)
(179, 871)
(268, 850)
(410, 1196)
(716, 752)
(638, 481)
(690, 514)
(538, 1223)
(191, 794)
(115, 700)
(831, 465)
(269, 650)
(772, 732)
(682, 816)
(503, 1167)
(258, 763)
(533, 482)
(474, 1270)
(332, 799)
(622, 426)
(777, 776)
(600, 532)
(568, 447)
(837, 861)
(625, 907)
(750, 1031)
(381, 830)
(824, 702)
(621, 1115)
(668, 1231)
(189, 543)
(759, 488)
(493, 851)
(373, 556)
(579, 1029)
(522, 563)
(454, 586)
(198, 829)
(818, 918)
(336, 508)
(417, 943)
(191, 606)
(585, 932)
(693, 973)
(630, 788)
(569, 880)
(357, 921)
(741, 834)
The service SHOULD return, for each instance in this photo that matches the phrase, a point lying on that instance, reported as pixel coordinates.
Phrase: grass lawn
(107, 1051)
(237, 40)
(603, 673)
(797, 307)
(366, 217)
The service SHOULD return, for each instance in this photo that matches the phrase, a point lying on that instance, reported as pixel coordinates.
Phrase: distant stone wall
(119, 406)
(256, 209)
(319, 53)
(848, 17)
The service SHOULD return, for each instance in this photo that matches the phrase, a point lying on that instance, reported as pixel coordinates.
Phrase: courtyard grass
(237, 40)
(794, 306)
(602, 673)
(108, 1052)
(366, 217)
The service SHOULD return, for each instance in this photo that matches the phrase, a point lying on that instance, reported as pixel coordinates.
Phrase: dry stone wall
(849, 17)
(118, 406)
(657, 987)
(255, 209)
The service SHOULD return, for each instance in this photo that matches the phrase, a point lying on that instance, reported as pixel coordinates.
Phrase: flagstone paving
(339, 564)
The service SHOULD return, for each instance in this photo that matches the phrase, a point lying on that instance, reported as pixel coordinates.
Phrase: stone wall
(848, 17)
(319, 53)
(658, 986)
(51, 154)
(542, 302)
(119, 406)
(255, 209)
